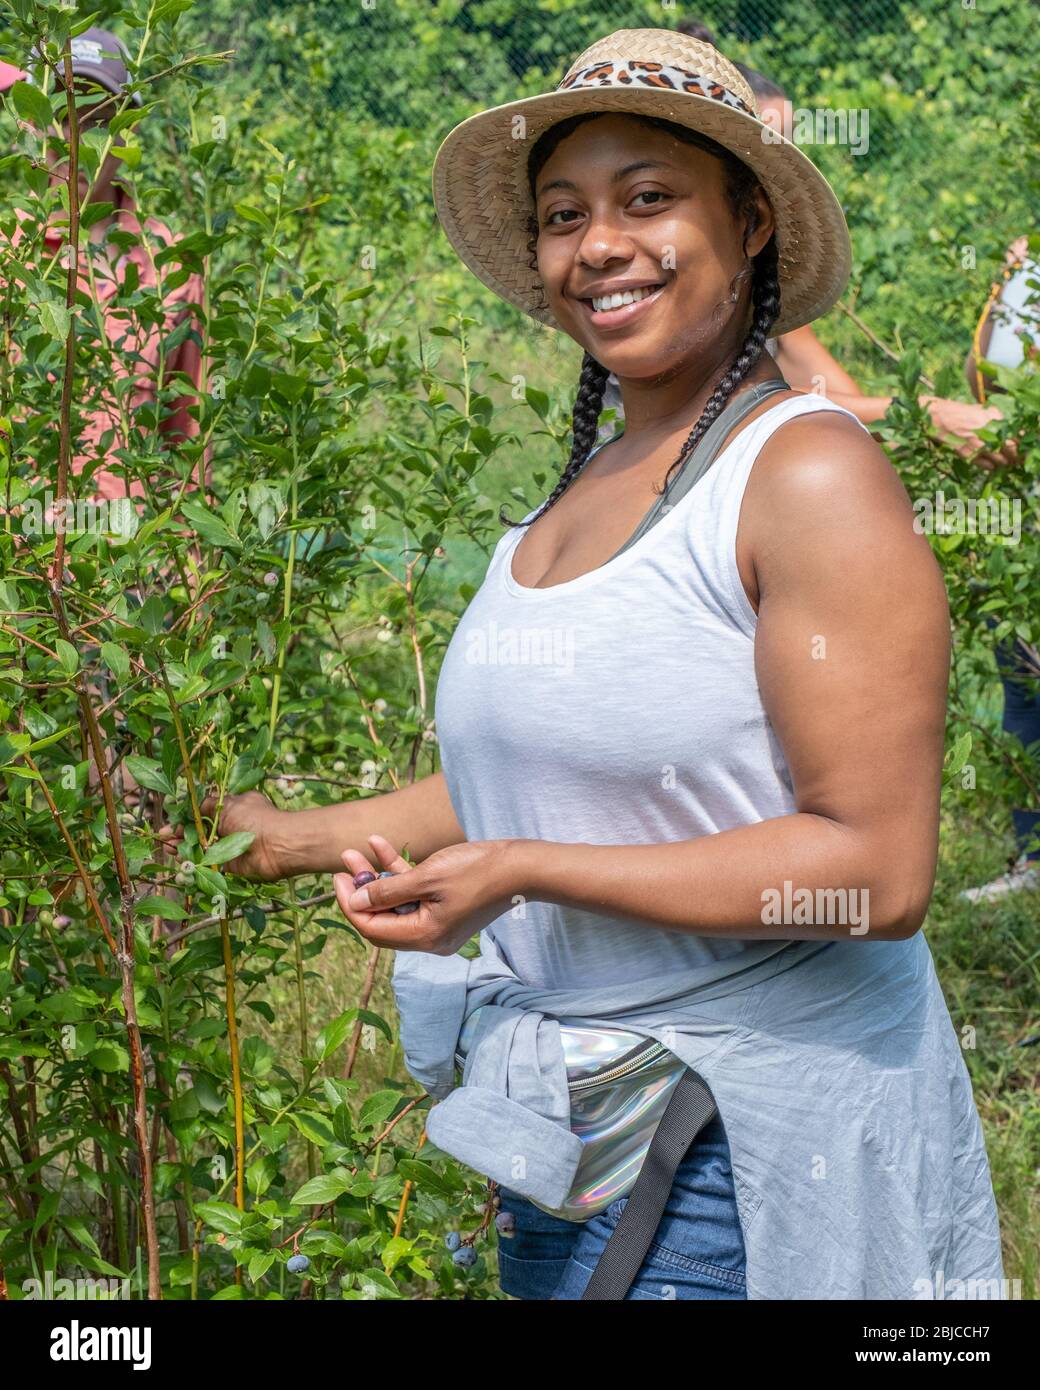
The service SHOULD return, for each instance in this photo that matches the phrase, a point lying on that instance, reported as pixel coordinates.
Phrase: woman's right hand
(249, 811)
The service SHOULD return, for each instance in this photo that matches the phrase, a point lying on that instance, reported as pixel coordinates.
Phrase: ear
(761, 222)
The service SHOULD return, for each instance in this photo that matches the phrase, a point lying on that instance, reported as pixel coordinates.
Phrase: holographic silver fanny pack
(620, 1084)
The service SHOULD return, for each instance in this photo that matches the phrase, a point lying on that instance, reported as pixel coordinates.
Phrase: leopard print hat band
(660, 76)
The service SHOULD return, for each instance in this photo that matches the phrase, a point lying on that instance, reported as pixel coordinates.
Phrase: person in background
(98, 63)
(802, 358)
(999, 339)
(106, 424)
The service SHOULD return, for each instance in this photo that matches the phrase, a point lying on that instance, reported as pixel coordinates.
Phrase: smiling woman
(751, 712)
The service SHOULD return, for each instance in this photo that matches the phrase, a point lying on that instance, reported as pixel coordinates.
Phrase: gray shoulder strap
(703, 456)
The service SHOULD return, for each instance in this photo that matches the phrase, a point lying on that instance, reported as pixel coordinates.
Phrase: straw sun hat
(482, 197)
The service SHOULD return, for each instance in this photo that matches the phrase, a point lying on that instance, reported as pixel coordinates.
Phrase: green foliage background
(367, 408)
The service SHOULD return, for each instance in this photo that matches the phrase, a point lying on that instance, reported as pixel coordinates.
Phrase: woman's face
(623, 206)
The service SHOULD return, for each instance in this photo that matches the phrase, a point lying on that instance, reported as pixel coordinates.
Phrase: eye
(560, 212)
(652, 193)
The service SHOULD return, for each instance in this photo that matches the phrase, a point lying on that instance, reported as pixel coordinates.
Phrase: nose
(604, 239)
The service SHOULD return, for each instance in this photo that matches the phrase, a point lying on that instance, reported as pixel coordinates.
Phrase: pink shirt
(138, 353)
(9, 75)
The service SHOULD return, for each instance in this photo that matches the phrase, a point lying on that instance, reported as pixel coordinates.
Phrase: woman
(747, 702)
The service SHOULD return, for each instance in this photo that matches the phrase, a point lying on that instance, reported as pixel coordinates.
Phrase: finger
(375, 926)
(209, 805)
(388, 856)
(357, 863)
(382, 894)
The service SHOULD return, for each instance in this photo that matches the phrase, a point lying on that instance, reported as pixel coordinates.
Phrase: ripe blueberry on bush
(464, 1257)
(505, 1223)
(453, 1240)
(296, 1264)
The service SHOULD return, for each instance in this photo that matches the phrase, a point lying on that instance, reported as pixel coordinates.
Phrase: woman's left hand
(460, 890)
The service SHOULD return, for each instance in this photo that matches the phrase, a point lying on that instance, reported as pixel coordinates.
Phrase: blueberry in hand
(399, 908)
(296, 1264)
(365, 876)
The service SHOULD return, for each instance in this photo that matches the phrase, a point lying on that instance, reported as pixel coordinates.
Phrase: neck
(655, 408)
(670, 402)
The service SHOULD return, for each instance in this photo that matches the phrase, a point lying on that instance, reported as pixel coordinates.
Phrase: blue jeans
(1021, 718)
(697, 1250)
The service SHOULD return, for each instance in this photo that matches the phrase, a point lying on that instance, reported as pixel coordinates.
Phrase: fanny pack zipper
(645, 1054)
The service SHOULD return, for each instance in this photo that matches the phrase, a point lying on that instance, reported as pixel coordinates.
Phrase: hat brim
(481, 194)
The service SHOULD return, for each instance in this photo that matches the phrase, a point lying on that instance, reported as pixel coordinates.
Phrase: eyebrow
(615, 178)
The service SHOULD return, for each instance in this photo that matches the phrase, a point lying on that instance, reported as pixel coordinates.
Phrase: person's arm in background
(419, 818)
(1014, 253)
(808, 366)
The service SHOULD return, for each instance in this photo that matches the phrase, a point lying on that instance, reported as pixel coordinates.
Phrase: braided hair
(741, 184)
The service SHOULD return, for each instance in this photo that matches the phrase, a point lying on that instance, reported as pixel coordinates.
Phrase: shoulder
(824, 457)
(824, 503)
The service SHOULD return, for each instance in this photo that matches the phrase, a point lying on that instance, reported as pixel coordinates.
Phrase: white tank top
(620, 707)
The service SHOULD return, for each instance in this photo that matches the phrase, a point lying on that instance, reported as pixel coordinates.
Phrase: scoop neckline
(620, 562)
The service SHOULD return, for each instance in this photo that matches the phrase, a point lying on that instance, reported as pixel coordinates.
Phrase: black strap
(704, 455)
(690, 1108)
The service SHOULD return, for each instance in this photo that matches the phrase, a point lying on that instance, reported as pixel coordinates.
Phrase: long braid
(765, 299)
(584, 424)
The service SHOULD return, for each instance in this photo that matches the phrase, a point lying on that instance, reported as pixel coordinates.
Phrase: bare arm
(852, 660)
(808, 366)
(419, 818)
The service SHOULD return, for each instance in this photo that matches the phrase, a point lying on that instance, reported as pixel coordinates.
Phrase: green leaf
(51, 738)
(117, 660)
(229, 847)
(379, 1107)
(67, 655)
(313, 1128)
(110, 1057)
(335, 1034)
(221, 1216)
(55, 320)
(209, 526)
(326, 1187)
(206, 1093)
(77, 1228)
(538, 401)
(260, 1264)
(155, 906)
(149, 774)
(424, 1176)
(31, 104)
(377, 1284)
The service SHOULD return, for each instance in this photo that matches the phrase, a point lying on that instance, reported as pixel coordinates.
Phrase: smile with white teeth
(602, 302)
